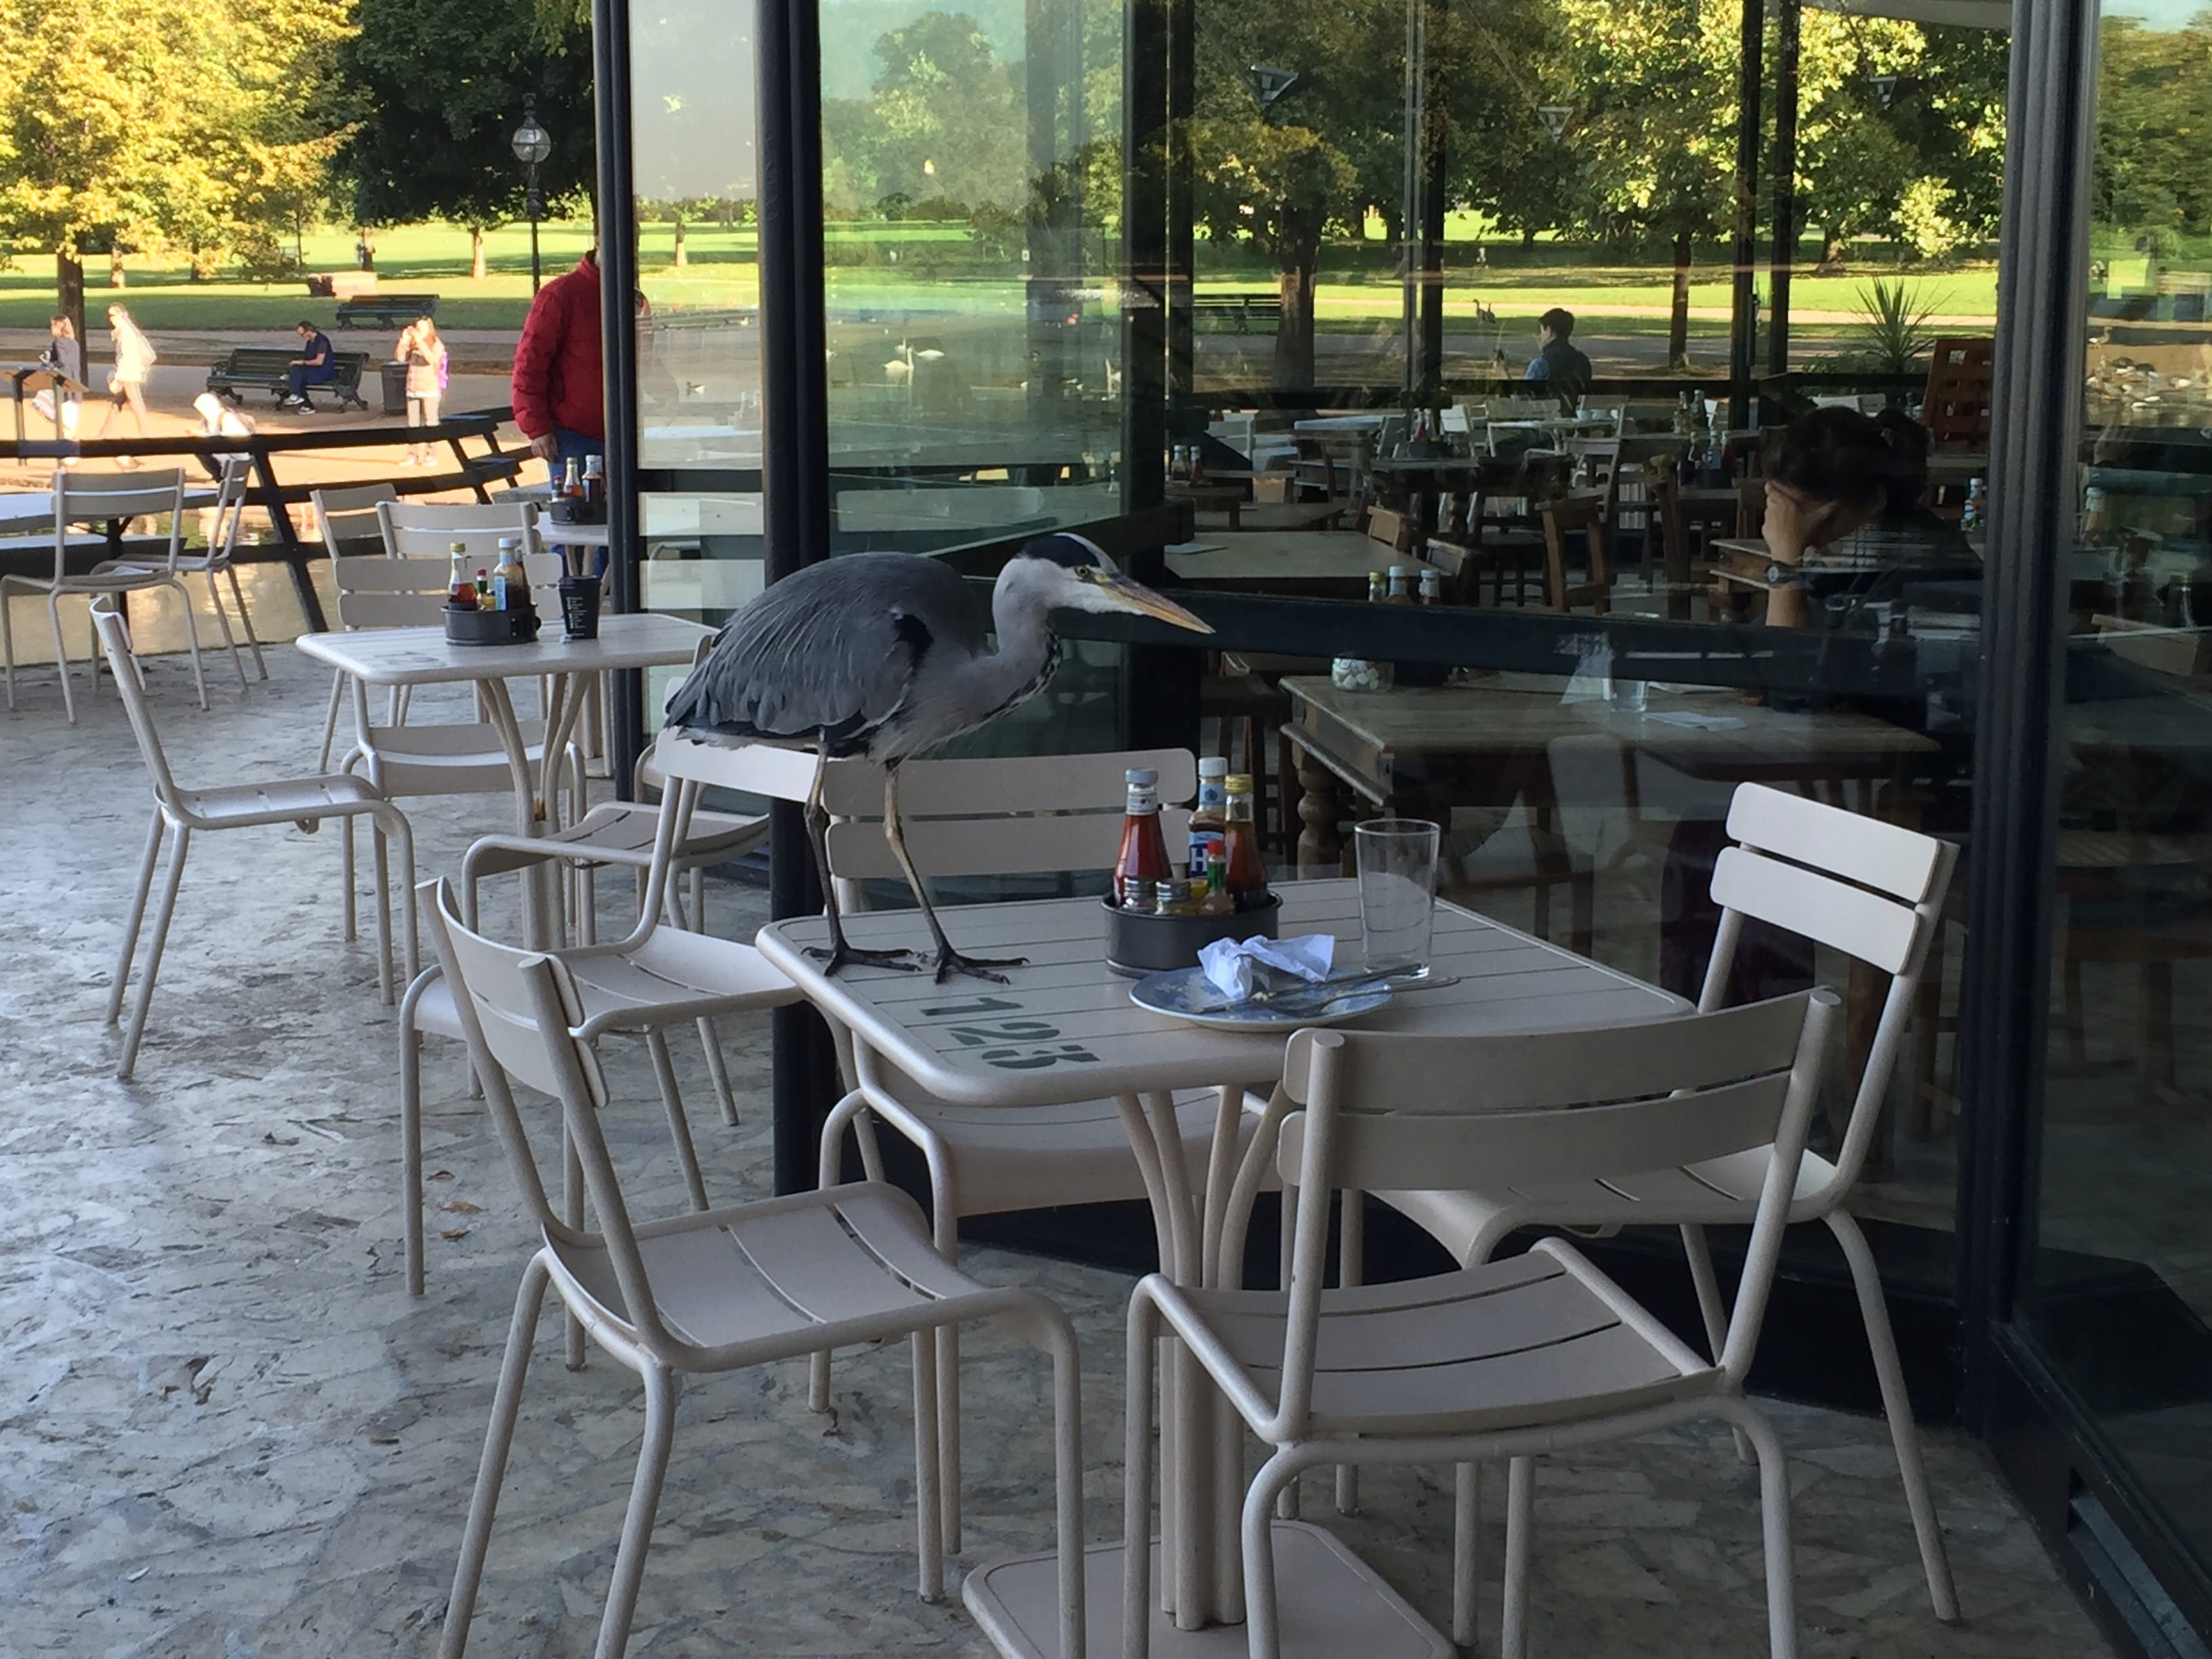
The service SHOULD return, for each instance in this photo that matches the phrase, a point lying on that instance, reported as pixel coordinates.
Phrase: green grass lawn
(932, 267)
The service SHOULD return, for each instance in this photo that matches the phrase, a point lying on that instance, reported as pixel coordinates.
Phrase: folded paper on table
(1690, 721)
(1232, 965)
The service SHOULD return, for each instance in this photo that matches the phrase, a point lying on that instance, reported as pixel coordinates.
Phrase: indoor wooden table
(1063, 1029)
(1421, 752)
(423, 656)
(1306, 564)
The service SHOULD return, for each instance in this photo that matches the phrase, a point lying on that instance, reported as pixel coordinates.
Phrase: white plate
(1184, 993)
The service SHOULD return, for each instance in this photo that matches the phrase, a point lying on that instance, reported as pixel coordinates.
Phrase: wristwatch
(1784, 575)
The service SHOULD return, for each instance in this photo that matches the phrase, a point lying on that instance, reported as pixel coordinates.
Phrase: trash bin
(395, 388)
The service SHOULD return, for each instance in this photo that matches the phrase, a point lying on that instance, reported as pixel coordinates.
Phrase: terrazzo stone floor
(226, 1429)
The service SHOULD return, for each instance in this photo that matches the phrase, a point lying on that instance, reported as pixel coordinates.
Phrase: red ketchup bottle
(1144, 848)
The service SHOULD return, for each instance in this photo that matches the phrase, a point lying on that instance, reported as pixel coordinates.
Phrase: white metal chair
(1512, 1359)
(348, 523)
(229, 513)
(304, 801)
(1872, 891)
(719, 1291)
(640, 985)
(1006, 816)
(102, 498)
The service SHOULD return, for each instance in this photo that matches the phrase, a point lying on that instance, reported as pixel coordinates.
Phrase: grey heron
(884, 655)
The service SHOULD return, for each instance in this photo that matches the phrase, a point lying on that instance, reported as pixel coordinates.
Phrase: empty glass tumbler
(1397, 862)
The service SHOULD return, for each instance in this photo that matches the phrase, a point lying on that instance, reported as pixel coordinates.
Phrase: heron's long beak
(1127, 595)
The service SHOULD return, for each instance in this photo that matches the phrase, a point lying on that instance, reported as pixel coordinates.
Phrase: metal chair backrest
(1391, 1112)
(422, 529)
(518, 1011)
(376, 591)
(103, 498)
(1009, 815)
(108, 623)
(347, 519)
(1871, 890)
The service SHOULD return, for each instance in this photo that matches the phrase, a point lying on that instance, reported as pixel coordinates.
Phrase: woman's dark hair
(1840, 455)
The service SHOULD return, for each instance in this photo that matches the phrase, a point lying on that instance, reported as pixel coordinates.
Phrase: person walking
(64, 355)
(1557, 366)
(135, 358)
(316, 365)
(424, 354)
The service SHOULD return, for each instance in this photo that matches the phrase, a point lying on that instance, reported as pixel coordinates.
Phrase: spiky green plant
(1894, 325)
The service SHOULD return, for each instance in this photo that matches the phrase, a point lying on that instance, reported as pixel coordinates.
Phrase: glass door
(2115, 1281)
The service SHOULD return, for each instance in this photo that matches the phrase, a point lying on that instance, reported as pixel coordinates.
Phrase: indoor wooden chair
(720, 1290)
(1507, 1360)
(1571, 583)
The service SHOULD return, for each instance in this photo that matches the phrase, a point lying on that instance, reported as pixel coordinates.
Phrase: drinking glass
(1629, 696)
(1397, 862)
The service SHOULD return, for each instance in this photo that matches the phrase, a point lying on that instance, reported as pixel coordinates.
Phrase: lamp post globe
(533, 144)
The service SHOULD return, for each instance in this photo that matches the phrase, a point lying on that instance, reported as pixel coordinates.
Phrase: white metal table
(423, 656)
(1063, 1029)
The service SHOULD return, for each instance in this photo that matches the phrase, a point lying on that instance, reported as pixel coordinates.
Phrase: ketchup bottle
(1144, 848)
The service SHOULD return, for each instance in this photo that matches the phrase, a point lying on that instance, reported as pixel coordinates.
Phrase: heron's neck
(1028, 651)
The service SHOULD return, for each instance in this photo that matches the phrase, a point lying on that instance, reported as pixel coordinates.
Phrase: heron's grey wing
(831, 648)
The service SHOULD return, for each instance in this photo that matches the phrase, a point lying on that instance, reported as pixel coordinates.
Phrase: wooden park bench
(268, 368)
(1238, 313)
(386, 308)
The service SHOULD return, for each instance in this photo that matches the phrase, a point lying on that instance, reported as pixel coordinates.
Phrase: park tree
(151, 125)
(2153, 111)
(435, 88)
(943, 124)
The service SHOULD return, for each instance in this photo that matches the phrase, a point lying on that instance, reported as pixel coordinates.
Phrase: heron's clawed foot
(852, 955)
(950, 961)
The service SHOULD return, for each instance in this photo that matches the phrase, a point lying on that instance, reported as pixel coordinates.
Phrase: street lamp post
(533, 144)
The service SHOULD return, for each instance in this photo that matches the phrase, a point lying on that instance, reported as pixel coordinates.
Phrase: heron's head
(1070, 573)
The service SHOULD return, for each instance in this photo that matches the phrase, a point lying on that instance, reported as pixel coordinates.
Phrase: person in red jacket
(559, 386)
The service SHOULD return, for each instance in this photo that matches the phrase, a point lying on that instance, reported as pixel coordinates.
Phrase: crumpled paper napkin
(1231, 964)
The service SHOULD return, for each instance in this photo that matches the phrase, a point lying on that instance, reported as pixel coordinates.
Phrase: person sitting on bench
(316, 365)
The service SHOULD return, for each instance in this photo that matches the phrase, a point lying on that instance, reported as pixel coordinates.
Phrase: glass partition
(699, 385)
(2118, 1280)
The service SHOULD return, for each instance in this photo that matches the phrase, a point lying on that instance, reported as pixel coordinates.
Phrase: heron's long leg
(841, 952)
(949, 961)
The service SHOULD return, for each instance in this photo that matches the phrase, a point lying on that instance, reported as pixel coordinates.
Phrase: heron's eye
(1083, 572)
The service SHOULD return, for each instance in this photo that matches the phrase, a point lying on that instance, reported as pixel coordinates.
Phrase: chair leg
(346, 881)
(192, 641)
(331, 725)
(161, 920)
(411, 1142)
(1351, 1270)
(1520, 1526)
(1897, 1406)
(679, 1127)
(948, 1435)
(491, 1471)
(644, 1502)
(246, 621)
(222, 620)
(1263, 1637)
(1710, 1306)
(1466, 1553)
(929, 1467)
(154, 833)
(1137, 1482)
(1774, 1517)
(61, 657)
(830, 1155)
(1287, 1506)
(8, 647)
(380, 861)
(718, 1074)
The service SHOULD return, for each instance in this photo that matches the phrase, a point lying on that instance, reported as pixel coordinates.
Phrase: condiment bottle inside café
(1144, 855)
(1210, 820)
(1246, 870)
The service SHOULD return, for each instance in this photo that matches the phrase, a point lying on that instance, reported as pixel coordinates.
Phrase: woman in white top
(126, 382)
(424, 354)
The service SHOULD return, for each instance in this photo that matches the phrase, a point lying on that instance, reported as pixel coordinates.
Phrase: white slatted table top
(423, 656)
(1063, 1028)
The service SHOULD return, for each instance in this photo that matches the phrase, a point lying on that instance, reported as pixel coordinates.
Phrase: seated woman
(1840, 480)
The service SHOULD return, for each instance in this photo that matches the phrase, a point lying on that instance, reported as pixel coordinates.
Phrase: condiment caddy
(495, 608)
(1161, 912)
